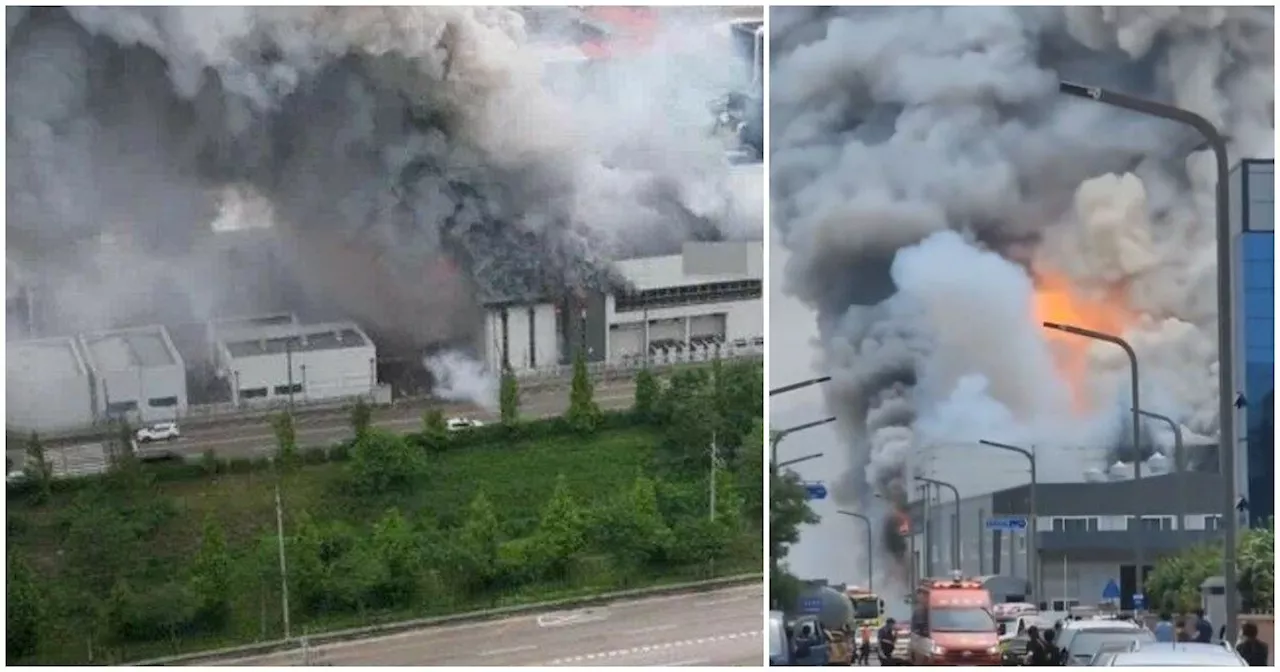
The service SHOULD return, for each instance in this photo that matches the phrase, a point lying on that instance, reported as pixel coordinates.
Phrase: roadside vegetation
(153, 560)
(1174, 584)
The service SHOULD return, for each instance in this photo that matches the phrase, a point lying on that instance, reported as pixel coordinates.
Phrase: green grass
(518, 479)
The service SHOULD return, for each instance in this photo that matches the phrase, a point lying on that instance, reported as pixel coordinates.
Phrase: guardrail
(320, 639)
(549, 377)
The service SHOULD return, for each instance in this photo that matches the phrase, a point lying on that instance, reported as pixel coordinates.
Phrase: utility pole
(714, 459)
(284, 570)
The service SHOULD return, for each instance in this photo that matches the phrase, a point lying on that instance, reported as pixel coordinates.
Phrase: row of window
(665, 297)
(1151, 523)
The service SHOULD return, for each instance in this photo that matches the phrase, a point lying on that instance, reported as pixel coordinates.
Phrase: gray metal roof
(143, 347)
(281, 338)
(44, 358)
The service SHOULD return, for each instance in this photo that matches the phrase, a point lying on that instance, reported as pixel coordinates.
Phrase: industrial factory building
(1086, 531)
(274, 358)
(688, 305)
(47, 385)
(137, 374)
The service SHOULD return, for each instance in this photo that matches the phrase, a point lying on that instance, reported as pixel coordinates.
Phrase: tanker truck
(833, 610)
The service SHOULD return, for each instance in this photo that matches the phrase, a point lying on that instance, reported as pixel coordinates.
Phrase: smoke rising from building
(939, 198)
(356, 159)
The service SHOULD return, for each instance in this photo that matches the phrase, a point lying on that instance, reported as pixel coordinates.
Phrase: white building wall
(1077, 580)
(153, 389)
(542, 353)
(743, 319)
(46, 402)
(323, 374)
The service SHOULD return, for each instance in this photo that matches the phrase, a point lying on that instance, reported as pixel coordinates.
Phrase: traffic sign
(1138, 599)
(1111, 591)
(1009, 523)
(816, 490)
(811, 605)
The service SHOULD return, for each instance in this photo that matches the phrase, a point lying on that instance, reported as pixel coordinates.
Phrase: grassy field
(517, 478)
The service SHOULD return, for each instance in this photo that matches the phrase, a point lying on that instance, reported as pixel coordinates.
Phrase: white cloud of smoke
(461, 378)
(389, 144)
(892, 128)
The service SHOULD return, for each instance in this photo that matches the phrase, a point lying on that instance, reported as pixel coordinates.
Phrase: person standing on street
(1253, 650)
(1164, 631)
(1204, 629)
(864, 647)
(887, 638)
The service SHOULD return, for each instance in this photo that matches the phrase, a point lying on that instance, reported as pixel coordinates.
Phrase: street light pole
(1226, 353)
(796, 386)
(1033, 543)
(955, 525)
(781, 434)
(1138, 547)
(870, 555)
(1180, 463)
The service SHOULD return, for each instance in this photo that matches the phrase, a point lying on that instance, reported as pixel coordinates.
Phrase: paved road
(250, 437)
(720, 628)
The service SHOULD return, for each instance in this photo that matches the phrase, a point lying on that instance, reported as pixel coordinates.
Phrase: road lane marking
(586, 658)
(510, 649)
(682, 663)
(721, 600)
(654, 628)
(563, 618)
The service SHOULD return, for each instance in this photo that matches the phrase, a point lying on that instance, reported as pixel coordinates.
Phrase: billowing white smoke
(386, 139)
(891, 125)
(461, 378)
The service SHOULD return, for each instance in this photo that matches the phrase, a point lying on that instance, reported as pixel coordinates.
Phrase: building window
(716, 292)
(283, 390)
(1075, 524)
(1154, 523)
(1213, 522)
(162, 402)
(254, 393)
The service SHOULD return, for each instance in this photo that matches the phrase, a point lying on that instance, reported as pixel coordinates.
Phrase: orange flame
(1057, 301)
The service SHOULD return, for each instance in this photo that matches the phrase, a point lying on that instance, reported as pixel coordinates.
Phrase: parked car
(1180, 654)
(456, 424)
(160, 431)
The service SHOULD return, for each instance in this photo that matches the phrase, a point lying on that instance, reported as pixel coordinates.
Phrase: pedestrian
(1253, 650)
(1164, 631)
(864, 649)
(887, 637)
(1204, 629)
(1037, 653)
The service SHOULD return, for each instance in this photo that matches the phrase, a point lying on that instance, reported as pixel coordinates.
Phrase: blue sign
(816, 490)
(811, 605)
(1009, 523)
(1111, 591)
(1138, 599)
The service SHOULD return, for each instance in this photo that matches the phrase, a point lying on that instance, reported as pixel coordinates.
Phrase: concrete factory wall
(47, 385)
(332, 360)
(527, 333)
(137, 374)
(728, 321)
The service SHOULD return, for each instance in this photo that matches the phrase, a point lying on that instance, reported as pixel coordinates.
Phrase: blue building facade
(1253, 207)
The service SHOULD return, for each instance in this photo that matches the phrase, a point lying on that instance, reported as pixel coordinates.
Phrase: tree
(583, 414)
(398, 551)
(689, 421)
(1257, 568)
(1174, 583)
(38, 468)
(435, 432)
(477, 544)
(788, 510)
(382, 461)
(24, 611)
(632, 528)
(751, 472)
(509, 398)
(361, 417)
(561, 531)
(286, 438)
(646, 395)
(211, 580)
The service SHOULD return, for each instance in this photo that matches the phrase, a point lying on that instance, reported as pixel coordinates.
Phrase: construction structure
(47, 385)
(137, 374)
(275, 360)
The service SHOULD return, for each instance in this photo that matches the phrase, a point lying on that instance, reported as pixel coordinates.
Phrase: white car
(160, 431)
(456, 424)
(17, 476)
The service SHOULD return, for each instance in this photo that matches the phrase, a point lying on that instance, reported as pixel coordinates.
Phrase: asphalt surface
(250, 437)
(720, 628)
